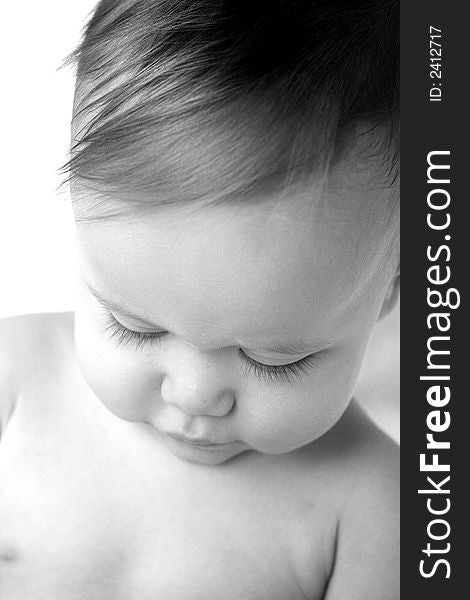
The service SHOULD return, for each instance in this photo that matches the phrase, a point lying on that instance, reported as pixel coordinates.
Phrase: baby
(190, 432)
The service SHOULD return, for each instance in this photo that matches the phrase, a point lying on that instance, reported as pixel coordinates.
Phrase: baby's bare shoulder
(365, 451)
(366, 564)
(354, 454)
(32, 349)
(29, 340)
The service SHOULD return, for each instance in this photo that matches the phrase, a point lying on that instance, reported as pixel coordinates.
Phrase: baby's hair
(184, 100)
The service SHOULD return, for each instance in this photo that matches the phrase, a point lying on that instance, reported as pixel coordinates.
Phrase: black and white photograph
(200, 301)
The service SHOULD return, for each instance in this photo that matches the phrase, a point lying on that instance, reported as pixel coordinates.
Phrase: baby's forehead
(309, 247)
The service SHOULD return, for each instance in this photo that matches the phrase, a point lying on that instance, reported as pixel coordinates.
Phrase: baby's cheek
(277, 421)
(125, 395)
(116, 377)
(288, 417)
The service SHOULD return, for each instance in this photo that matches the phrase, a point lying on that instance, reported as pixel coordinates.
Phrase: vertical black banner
(435, 258)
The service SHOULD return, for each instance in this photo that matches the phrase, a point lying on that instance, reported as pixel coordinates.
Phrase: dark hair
(217, 99)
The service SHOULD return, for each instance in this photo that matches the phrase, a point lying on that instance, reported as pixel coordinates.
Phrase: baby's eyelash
(123, 336)
(288, 373)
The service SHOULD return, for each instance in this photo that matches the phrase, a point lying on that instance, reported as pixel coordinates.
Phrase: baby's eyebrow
(297, 348)
(112, 306)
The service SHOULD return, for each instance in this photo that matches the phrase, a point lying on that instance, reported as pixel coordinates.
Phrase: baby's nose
(197, 387)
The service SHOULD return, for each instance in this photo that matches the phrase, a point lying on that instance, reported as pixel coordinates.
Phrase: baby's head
(233, 176)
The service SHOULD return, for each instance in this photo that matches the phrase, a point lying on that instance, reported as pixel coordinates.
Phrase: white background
(37, 259)
(36, 228)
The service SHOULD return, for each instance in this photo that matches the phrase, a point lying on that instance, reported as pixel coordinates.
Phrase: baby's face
(235, 328)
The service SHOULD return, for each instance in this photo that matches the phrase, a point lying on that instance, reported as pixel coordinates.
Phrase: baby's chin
(219, 454)
(217, 457)
(210, 455)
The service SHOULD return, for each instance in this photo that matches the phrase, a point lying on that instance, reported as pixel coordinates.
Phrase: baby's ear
(391, 297)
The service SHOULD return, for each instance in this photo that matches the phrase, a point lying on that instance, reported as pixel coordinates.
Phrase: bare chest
(83, 516)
